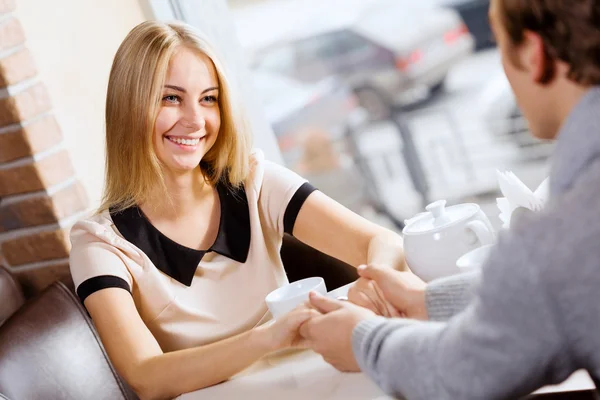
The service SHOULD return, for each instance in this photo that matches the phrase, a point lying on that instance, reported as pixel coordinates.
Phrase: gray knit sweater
(533, 315)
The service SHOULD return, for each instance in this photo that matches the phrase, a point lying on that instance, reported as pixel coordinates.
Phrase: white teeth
(187, 142)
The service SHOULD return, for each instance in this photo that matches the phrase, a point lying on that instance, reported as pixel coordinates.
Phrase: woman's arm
(137, 356)
(327, 226)
(331, 228)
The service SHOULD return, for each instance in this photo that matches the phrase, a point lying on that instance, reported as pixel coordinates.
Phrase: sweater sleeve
(504, 344)
(448, 296)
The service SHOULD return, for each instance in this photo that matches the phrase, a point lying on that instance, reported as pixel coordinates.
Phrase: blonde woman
(175, 266)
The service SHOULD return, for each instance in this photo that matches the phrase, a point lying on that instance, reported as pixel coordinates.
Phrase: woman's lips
(184, 141)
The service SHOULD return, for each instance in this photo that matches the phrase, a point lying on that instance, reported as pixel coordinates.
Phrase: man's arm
(503, 344)
(446, 297)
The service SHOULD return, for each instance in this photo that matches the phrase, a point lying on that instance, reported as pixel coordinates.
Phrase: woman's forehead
(189, 67)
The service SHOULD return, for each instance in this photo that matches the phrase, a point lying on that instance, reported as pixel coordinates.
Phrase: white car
(392, 53)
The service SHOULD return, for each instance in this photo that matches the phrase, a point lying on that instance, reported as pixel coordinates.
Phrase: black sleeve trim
(294, 206)
(98, 283)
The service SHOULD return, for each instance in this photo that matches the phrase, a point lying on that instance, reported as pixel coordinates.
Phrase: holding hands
(329, 332)
(379, 291)
(389, 293)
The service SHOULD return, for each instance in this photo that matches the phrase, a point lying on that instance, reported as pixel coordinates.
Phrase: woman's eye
(209, 99)
(171, 98)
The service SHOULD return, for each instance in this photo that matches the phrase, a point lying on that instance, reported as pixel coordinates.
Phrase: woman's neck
(186, 191)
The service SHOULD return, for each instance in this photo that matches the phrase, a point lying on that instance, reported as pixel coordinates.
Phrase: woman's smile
(185, 143)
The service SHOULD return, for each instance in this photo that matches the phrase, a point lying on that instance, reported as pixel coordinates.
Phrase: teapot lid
(439, 216)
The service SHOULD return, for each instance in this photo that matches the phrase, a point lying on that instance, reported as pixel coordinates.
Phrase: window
(280, 60)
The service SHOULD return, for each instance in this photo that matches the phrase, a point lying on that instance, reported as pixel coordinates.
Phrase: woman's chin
(183, 166)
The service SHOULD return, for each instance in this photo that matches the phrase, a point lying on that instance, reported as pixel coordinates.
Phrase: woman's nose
(193, 120)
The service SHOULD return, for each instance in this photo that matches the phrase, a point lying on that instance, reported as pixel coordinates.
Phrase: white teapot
(436, 239)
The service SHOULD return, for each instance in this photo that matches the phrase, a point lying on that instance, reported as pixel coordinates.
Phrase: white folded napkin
(517, 194)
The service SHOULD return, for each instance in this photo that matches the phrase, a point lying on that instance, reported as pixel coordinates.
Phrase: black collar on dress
(180, 262)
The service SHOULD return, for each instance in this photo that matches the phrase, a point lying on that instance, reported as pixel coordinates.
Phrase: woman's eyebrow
(182, 90)
(210, 89)
(178, 88)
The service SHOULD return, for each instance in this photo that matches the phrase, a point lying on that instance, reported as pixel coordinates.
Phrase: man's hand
(330, 334)
(402, 289)
(366, 293)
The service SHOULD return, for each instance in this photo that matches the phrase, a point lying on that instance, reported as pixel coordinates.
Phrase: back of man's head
(570, 30)
(551, 55)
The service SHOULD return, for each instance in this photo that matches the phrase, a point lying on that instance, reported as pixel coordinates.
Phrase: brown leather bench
(49, 349)
(11, 295)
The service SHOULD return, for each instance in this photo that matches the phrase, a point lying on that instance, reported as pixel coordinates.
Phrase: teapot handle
(483, 234)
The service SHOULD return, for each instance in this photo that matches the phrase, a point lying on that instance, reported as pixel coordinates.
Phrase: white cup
(284, 299)
(474, 258)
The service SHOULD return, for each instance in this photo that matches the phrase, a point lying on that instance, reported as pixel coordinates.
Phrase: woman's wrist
(262, 338)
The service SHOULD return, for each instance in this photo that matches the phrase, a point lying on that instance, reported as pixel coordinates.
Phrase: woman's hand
(366, 293)
(284, 331)
(402, 289)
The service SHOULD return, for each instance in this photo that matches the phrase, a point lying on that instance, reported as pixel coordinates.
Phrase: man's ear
(534, 58)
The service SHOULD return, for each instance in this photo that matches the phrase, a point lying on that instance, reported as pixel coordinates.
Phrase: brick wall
(40, 197)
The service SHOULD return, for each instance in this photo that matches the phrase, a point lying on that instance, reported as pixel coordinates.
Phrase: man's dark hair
(570, 30)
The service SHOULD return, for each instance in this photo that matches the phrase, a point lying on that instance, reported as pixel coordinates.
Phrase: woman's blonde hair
(133, 171)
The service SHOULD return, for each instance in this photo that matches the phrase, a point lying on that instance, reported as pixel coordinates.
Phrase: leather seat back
(49, 349)
(11, 295)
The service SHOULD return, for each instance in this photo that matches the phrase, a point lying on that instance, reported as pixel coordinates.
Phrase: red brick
(20, 180)
(31, 212)
(42, 210)
(42, 246)
(38, 136)
(35, 176)
(56, 168)
(70, 200)
(11, 34)
(33, 281)
(13, 145)
(43, 134)
(33, 101)
(24, 105)
(16, 68)
(7, 6)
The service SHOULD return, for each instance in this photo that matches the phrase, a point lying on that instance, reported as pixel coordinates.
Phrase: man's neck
(567, 95)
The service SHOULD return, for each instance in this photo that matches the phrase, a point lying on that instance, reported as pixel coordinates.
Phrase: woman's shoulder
(257, 170)
(272, 184)
(96, 228)
(97, 250)
(98, 221)
(263, 171)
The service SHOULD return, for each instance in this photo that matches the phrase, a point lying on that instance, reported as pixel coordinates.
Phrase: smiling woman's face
(189, 119)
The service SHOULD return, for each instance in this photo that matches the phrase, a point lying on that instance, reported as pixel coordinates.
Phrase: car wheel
(374, 103)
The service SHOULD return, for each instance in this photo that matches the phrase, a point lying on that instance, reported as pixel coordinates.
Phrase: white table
(304, 375)
(294, 376)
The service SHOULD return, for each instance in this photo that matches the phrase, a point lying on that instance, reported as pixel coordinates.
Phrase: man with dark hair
(532, 316)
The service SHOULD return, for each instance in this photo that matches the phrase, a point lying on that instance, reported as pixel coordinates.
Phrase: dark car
(475, 15)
